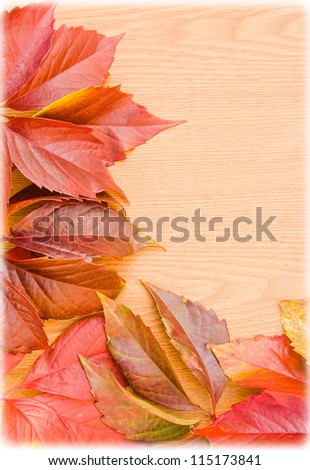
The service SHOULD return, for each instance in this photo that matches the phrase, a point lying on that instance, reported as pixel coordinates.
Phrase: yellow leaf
(293, 319)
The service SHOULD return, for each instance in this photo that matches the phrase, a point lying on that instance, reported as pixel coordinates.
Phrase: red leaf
(58, 371)
(76, 59)
(76, 229)
(27, 38)
(21, 326)
(60, 156)
(110, 113)
(191, 328)
(269, 418)
(9, 361)
(53, 419)
(264, 362)
(63, 288)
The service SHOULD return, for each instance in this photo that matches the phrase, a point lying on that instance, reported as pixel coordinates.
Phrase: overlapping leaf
(111, 114)
(76, 229)
(269, 418)
(22, 328)
(293, 319)
(142, 360)
(265, 362)
(58, 371)
(62, 288)
(191, 328)
(9, 361)
(135, 418)
(55, 420)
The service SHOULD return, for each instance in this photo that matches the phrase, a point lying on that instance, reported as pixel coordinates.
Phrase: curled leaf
(293, 319)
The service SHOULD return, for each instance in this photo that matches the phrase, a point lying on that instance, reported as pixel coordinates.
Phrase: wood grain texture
(237, 76)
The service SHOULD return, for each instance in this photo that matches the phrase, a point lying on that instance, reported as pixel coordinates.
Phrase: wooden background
(237, 76)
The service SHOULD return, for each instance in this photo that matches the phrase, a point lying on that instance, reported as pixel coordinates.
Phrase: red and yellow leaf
(264, 362)
(9, 361)
(269, 418)
(111, 113)
(62, 288)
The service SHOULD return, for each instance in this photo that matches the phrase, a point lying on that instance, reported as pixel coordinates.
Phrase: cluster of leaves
(108, 379)
(62, 129)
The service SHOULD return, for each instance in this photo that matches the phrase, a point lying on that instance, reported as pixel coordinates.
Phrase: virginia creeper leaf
(27, 34)
(293, 319)
(22, 329)
(54, 419)
(62, 288)
(59, 156)
(191, 328)
(76, 229)
(58, 371)
(142, 360)
(9, 361)
(110, 113)
(269, 418)
(264, 362)
(76, 59)
(135, 418)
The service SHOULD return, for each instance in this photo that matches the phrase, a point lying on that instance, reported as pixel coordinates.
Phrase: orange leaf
(263, 362)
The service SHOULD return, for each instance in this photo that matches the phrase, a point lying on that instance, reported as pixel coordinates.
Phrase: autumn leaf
(58, 371)
(76, 59)
(62, 288)
(269, 418)
(293, 319)
(191, 328)
(22, 329)
(140, 357)
(59, 156)
(27, 35)
(264, 362)
(109, 112)
(9, 361)
(76, 229)
(135, 418)
(54, 419)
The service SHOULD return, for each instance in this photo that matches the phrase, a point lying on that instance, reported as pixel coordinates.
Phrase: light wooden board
(237, 76)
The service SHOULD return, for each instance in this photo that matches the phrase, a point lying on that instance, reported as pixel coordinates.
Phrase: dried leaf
(58, 371)
(142, 360)
(76, 229)
(62, 288)
(135, 418)
(293, 319)
(22, 329)
(269, 418)
(191, 328)
(57, 420)
(264, 362)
